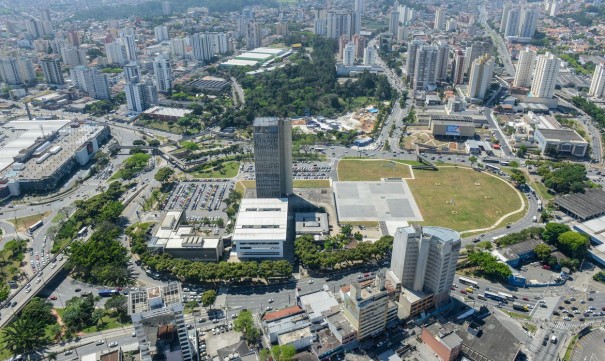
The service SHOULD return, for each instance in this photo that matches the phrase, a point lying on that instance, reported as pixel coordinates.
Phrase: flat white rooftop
(249, 55)
(262, 219)
(238, 62)
(272, 51)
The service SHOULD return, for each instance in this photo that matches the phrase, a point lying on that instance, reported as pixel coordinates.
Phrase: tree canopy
(244, 323)
(163, 174)
(489, 266)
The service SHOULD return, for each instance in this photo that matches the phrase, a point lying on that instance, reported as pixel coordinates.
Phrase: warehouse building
(452, 126)
(564, 141)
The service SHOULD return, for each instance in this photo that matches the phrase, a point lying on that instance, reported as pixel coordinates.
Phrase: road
(498, 42)
(237, 89)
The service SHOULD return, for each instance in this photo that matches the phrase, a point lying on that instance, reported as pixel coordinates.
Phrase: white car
(38, 280)
(113, 344)
(311, 282)
(99, 342)
(270, 300)
(566, 318)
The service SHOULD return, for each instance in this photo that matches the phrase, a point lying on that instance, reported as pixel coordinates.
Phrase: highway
(498, 42)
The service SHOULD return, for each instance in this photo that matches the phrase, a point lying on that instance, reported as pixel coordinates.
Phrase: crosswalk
(563, 325)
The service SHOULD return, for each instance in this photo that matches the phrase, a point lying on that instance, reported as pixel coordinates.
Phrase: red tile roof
(276, 315)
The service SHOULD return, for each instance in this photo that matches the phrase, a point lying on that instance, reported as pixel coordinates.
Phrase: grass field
(519, 315)
(23, 223)
(158, 125)
(229, 170)
(241, 186)
(462, 199)
(371, 170)
(541, 190)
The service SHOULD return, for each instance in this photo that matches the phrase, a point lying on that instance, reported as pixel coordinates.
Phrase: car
(270, 300)
(525, 299)
(463, 292)
(566, 318)
(78, 289)
(268, 308)
(113, 344)
(53, 297)
(99, 342)
(68, 352)
(543, 305)
(234, 315)
(556, 313)
(470, 297)
(134, 334)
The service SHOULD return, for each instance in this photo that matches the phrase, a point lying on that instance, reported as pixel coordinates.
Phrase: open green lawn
(519, 315)
(110, 322)
(159, 125)
(542, 191)
(25, 222)
(229, 170)
(132, 166)
(461, 198)
(241, 186)
(371, 170)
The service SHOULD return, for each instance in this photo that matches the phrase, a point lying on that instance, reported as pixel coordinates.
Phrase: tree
(163, 174)
(573, 244)
(38, 310)
(208, 298)
(346, 230)
(117, 306)
(542, 251)
(139, 142)
(283, 353)
(472, 159)
(552, 231)
(518, 178)
(153, 143)
(521, 151)
(245, 324)
(4, 291)
(24, 336)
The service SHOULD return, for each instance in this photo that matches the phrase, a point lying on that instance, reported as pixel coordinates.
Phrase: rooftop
(318, 302)
(561, 135)
(239, 62)
(193, 242)
(445, 334)
(585, 205)
(265, 122)
(262, 219)
(285, 312)
(513, 251)
(294, 335)
(169, 112)
(311, 222)
(341, 323)
(595, 228)
(272, 51)
(154, 297)
(451, 118)
(494, 342)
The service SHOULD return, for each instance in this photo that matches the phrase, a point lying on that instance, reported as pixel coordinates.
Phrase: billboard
(452, 130)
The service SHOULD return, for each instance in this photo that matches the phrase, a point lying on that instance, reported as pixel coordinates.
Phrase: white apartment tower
(254, 35)
(439, 19)
(525, 68)
(410, 65)
(177, 48)
(348, 55)
(338, 23)
(16, 71)
(131, 72)
(52, 71)
(512, 22)
(161, 33)
(597, 85)
(273, 157)
(480, 76)
(166, 8)
(139, 96)
(162, 68)
(91, 81)
(369, 55)
(424, 260)
(128, 40)
(116, 53)
(201, 46)
(393, 22)
(73, 56)
(425, 70)
(360, 6)
(442, 60)
(528, 22)
(545, 76)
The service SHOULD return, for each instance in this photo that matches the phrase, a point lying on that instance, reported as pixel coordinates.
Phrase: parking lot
(589, 347)
(200, 199)
(300, 170)
(580, 307)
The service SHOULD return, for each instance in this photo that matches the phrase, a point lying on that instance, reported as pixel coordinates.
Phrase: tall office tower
(52, 71)
(512, 22)
(525, 68)
(177, 48)
(254, 36)
(366, 308)
(369, 55)
(201, 47)
(273, 157)
(218, 43)
(442, 60)
(360, 6)
(545, 76)
(139, 95)
(355, 22)
(475, 51)
(402, 34)
(451, 25)
(360, 45)
(504, 17)
(166, 8)
(130, 44)
(116, 53)
(555, 7)
(393, 22)
(402, 14)
(320, 27)
(281, 28)
(15, 71)
(45, 14)
(348, 55)
(439, 19)
(159, 323)
(410, 65)
(597, 84)
(73, 37)
(338, 24)
(161, 33)
(458, 72)
(91, 81)
(163, 73)
(131, 72)
(480, 76)
(425, 71)
(47, 27)
(424, 260)
(73, 56)
(35, 28)
(528, 22)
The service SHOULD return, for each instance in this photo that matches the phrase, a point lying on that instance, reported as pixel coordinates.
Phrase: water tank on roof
(42, 148)
(18, 166)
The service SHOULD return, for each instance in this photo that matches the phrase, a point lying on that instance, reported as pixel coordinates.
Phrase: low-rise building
(444, 342)
(562, 141)
(312, 223)
(166, 114)
(459, 126)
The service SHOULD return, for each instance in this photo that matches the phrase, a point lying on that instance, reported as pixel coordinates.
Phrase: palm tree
(24, 336)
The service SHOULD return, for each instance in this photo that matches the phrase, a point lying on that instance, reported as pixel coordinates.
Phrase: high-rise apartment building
(166, 8)
(475, 51)
(131, 72)
(348, 54)
(527, 22)
(425, 70)
(129, 42)
(424, 260)
(338, 23)
(480, 76)
(91, 81)
(439, 23)
(35, 28)
(355, 22)
(159, 323)
(201, 46)
(219, 43)
(360, 6)
(458, 72)
(139, 96)
(45, 14)
(393, 22)
(162, 69)
(281, 28)
(504, 17)
(360, 45)
(161, 33)
(369, 55)
(410, 65)
(320, 27)
(545, 76)
(73, 56)
(52, 71)
(15, 71)
(366, 308)
(273, 157)
(597, 84)
(73, 36)
(512, 22)
(442, 60)
(525, 68)
(254, 35)
(178, 48)
(116, 53)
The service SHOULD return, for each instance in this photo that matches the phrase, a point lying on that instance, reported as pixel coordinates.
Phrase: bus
(466, 281)
(506, 296)
(504, 163)
(520, 307)
(35, 226)
(492, 168)
(494, 296)
(108, 293)
(481, 297)
(83, 231)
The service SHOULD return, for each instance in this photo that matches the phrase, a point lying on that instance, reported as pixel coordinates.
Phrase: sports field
(463, 199)
(371, 170)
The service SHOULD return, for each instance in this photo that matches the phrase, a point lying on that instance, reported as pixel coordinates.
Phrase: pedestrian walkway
(562, 325)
